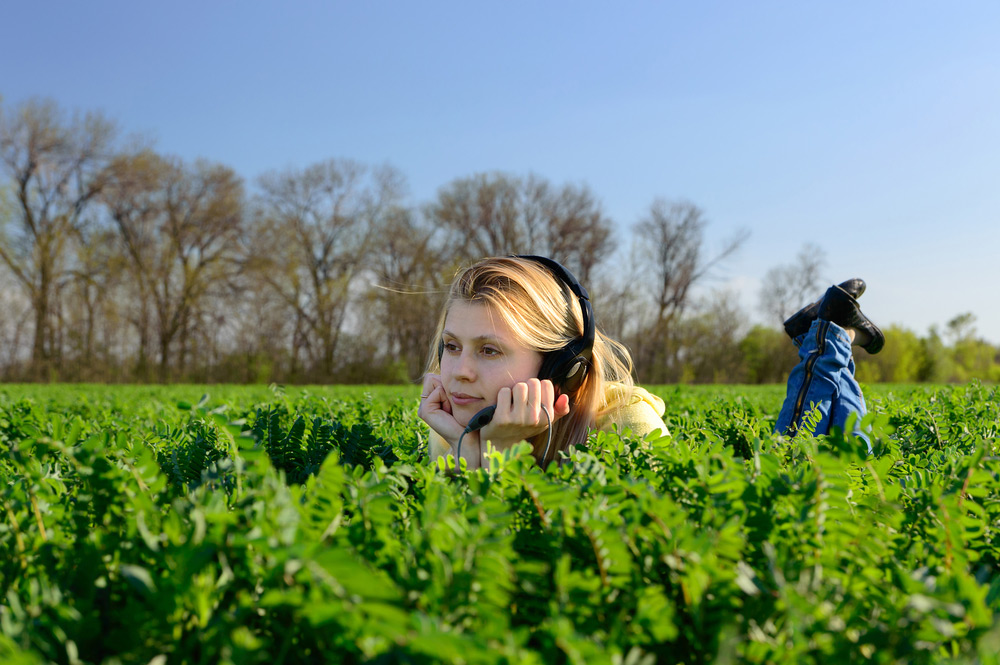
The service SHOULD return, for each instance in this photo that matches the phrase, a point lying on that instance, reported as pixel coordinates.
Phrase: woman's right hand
(435, 410)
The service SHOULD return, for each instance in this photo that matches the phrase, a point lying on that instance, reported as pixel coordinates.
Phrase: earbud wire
(548, 440)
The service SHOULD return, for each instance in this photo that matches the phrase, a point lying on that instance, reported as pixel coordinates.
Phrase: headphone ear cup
(549, 368)
(575, 375)
(565, 369)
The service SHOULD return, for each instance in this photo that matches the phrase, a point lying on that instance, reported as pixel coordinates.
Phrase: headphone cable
(548, 440)
(458, 453)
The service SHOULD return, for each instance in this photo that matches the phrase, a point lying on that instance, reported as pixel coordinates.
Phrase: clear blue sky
(871, 129)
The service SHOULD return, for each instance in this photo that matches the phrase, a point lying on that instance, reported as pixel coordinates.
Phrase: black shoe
(840, 307)
(799, 322)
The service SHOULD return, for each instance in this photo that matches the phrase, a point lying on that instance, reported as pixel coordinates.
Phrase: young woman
(518, 334)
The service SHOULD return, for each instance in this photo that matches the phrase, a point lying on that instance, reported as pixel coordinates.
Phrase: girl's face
(481, 356)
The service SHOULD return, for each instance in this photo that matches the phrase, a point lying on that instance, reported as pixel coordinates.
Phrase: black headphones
(566, 367)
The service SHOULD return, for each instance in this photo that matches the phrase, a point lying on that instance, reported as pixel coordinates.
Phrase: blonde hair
(545, 316)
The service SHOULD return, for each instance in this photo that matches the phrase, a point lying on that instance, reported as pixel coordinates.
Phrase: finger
(427, 390)
(429, 383)
(426, 406)
(440, 396)
(505, 400)
(435, 410)
(548, 395)
(433, 399)
(534, 401)
(556, 405)
(519, 401)
(560, 408)
(526, 402)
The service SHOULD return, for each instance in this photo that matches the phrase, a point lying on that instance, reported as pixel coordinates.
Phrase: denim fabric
(823, 379)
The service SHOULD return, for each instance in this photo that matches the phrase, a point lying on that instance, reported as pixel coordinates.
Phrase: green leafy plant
(307, 526)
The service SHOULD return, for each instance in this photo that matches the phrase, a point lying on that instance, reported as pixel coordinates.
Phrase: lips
(461, 399)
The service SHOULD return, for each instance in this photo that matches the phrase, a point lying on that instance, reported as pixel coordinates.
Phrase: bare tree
(94, 276)
(480, 216)
(203, 224)
(788, 288)
(260, 334)
(573, 227)
(711, 341)
(621, 309)
(135, 196)
(13, 327)
(961, 328)
(179, 227)
(314, 234)
(411, 273)
(55, 165)
(669, 241)
(496, 214)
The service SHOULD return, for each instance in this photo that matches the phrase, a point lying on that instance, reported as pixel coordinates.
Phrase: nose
(464, 367)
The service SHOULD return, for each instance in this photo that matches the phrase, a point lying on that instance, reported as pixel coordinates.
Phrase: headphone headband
(561, 273)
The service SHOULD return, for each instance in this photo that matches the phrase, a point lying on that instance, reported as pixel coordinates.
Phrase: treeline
(121, 264)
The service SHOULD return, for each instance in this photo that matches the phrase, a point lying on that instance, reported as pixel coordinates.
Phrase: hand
(519, 412)
(435, 410)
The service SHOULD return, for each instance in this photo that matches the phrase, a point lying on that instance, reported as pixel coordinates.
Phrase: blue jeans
(823, 380)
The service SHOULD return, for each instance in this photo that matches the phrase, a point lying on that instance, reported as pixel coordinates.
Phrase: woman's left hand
(519, 412)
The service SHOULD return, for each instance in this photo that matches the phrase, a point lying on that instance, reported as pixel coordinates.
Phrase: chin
(463, 416)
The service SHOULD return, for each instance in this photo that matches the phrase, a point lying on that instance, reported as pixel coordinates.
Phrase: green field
(231, 524)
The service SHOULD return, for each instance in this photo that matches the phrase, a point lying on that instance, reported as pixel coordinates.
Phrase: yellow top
(640, 411)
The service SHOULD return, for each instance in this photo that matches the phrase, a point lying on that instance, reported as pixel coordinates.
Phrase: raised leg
(823, 380)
